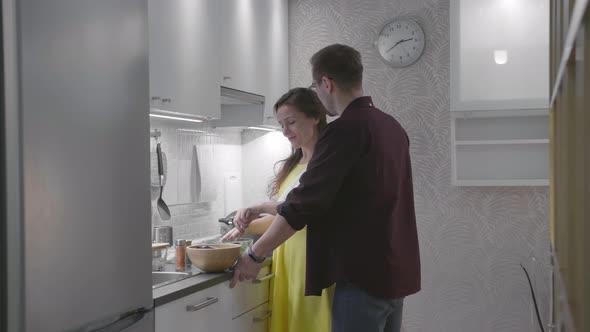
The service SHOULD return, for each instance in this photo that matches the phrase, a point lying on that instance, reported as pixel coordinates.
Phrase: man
(356, 199)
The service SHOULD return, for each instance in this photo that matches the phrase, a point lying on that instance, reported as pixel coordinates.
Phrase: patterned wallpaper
(472, 240)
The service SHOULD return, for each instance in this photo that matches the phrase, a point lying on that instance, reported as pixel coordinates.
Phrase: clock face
(401, 42)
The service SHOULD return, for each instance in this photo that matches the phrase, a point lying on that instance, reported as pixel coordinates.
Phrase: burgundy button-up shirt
(357, 201)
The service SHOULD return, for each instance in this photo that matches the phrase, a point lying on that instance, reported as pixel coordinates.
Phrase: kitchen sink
(160, 279)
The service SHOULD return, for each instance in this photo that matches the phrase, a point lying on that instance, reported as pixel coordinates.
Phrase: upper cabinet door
(242, 45)
(184, 56)
(254, 43)
(499, 54)
(277, 59)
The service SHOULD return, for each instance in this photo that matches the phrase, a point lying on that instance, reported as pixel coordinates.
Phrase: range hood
(240, 109)
(231, 96)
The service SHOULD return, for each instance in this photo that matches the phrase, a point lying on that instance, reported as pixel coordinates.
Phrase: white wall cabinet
(499, 54)
(207, 310)
(254, 49)
(277, 52)
(500, 92)
(242, 45)
(197, 46)
(184, 57)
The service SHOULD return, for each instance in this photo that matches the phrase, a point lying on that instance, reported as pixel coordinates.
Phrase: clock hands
(399, 42)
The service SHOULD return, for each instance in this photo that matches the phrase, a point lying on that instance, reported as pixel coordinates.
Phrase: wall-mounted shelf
(502, 183)
(507, 148)
(504, 142)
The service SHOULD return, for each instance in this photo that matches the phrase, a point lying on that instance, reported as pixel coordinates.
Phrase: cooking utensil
(162, 234)
(226, 224)
(162, 207)
(154, 176)
(195, 176)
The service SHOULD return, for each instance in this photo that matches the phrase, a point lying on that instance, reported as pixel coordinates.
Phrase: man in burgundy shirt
(357, 201)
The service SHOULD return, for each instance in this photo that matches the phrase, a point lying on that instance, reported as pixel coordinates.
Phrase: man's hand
(245, 269)
(244, 217)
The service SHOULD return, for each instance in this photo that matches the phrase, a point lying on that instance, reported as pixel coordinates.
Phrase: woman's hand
(244, 217)
(232, 235)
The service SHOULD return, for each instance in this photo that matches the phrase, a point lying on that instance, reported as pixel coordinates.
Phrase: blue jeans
(354, 310)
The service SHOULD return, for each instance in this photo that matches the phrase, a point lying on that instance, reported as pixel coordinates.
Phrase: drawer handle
(263, 318)
(195, 307)
(261, 280)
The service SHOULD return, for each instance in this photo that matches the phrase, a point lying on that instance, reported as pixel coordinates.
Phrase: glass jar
(180, 255)
(159, 253)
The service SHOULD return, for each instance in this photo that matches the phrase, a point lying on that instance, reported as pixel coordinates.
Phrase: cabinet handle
(261, 280)
(209, 301)
(263, 318)
(226, 78)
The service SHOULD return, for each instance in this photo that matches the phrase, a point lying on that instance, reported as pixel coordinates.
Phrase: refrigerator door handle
(118, 322)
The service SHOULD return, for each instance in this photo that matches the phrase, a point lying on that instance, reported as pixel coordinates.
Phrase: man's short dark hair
(340, 63)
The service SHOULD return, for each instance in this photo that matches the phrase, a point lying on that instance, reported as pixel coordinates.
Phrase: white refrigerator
(75, 166)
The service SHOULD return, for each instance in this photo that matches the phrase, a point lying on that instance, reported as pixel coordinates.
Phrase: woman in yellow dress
(302, 117)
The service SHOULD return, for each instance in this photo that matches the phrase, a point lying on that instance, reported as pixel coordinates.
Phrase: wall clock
(400, 42)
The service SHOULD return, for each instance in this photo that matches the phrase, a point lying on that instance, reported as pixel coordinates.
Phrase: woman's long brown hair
(307, 102)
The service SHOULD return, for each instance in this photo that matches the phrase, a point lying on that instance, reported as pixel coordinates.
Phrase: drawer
(204, 311)
(255, 320)
(251, 294)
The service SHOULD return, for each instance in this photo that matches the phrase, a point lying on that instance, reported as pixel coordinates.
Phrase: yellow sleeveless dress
(292, 311)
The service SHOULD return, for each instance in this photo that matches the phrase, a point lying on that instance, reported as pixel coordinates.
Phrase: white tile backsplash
(242, 165)
(197, 220)
(260, 153)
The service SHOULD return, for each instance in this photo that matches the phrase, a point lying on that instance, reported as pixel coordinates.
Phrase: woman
(302, 117)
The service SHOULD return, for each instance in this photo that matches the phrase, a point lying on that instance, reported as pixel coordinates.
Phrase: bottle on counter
(188, 259)
(180, 255)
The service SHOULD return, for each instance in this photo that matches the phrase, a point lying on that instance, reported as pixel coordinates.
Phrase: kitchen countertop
(198, 282)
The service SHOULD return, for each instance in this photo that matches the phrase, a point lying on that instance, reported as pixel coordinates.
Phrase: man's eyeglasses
(314, 84)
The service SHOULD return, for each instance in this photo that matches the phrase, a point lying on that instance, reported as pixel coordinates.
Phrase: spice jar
(180, 255)
(188, 259)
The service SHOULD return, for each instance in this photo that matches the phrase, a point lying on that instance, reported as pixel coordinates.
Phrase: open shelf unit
(500, 148)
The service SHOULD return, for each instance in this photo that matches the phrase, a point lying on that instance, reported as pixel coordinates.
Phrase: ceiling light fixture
(501, 56)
